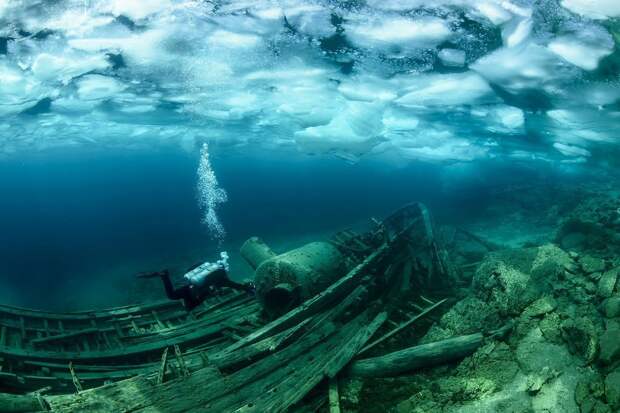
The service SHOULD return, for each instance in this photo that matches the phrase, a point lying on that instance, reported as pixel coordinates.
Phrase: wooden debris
(270, 369)
(401, 327)
(180, 360)
(11, 403)
(162, 367)
(334, 397)
(424, 355)
(76, 381)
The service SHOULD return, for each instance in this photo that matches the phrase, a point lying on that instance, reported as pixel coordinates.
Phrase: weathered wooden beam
(3, 336)
(181, 360)
(325, 360)
(86, 315)
(424, 355)
(401, 327)
(11, 403)
(76, 380)
(162, 367)
(333, 395)
(157, 320)
(64, 336)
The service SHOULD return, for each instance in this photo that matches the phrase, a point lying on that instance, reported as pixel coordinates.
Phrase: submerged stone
(610, 343)
(611, 307)
(591, 264)
(607, 283)
(541, 306)
(612, 388)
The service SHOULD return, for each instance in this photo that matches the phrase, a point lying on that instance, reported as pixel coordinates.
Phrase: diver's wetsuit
(193, 294)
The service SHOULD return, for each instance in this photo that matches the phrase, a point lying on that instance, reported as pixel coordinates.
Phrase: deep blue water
(71, 217)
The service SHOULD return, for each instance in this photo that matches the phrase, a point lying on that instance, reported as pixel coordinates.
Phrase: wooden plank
(333, 395)
(424, 355)
(316, 303)
(3, 336)
(22, 332)
(401, 327)
(64, 336)
(76, 381)
(15, 403)
(106, 339)
(254, 351)
(162, 367)
(87, 315)
(180, 360)
(157, 320)
(326, 360)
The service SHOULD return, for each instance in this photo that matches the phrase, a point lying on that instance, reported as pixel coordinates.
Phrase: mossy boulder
(610, 343)
(611, 307)
(612, 389)
(513, 279)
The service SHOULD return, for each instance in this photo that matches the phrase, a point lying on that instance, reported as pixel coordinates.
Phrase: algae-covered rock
(612, 388)
(590, 393)
(607, 283)
(540, 307)
(470, 315)
(581, 337)
(591, 264)
(512, 279)
(495, 361)
(611, 307)
(550, 328)
(503, 286)
(595, 406)
(610, 343)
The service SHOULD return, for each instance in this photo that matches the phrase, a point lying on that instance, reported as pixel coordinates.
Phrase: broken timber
(323, 334)
(424, 355)
(271, 368)
(126, 341)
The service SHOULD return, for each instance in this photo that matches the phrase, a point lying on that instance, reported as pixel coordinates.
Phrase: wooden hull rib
(36, 347)
(221, 357)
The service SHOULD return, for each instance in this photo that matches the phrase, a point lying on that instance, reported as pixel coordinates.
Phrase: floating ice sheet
(455, 80)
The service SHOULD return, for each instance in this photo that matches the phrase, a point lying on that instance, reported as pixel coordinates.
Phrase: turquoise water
(317, 115)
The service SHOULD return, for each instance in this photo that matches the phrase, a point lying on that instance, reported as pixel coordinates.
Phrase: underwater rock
(607, 283)
(550, 328)
(573, 240)
(591, 264)
(540, 307)
(512, 279)
(581, 338)
(589, 393)
(611, 307)
(467, 316)
(535, 382)
(612, 388)
(503, 286)
(610, 342)
(534, 353)
(592, 225)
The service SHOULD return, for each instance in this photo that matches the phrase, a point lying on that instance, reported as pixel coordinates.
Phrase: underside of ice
(444, 81)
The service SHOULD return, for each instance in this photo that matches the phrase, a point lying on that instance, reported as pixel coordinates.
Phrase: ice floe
(446, 81)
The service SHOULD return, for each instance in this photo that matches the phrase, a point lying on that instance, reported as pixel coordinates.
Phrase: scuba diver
(202, 281)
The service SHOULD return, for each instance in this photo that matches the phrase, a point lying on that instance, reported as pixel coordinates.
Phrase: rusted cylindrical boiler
(284, 281)
(255, 252)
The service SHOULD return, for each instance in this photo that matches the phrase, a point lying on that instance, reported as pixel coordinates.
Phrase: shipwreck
(326, 310)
